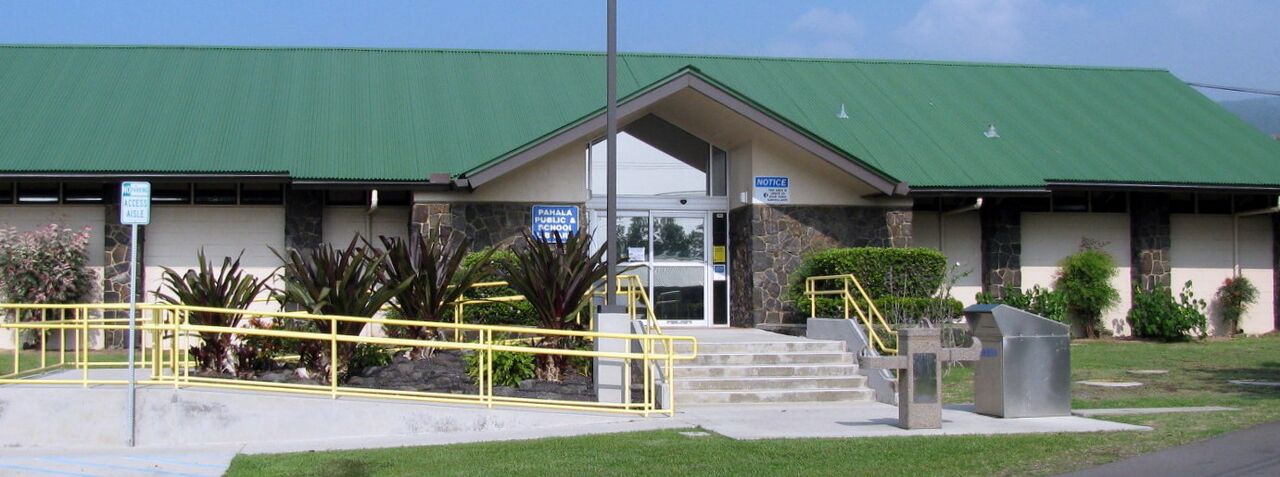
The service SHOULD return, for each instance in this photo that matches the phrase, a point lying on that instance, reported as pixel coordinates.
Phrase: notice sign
(550, 219)
(772, 190)
(135, 203)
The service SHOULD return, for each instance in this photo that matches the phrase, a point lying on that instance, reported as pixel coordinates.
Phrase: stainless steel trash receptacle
(1025, 366)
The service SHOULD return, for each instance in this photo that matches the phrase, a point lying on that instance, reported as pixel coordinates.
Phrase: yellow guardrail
(869, 317)
(167, 334)
(629, 286)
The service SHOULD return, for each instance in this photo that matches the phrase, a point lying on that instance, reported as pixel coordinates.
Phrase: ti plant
(330, 281)
(227, 287)
(432, 265)
(556, 278)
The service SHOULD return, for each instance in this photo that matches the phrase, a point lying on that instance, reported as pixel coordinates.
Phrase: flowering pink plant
(45, 265)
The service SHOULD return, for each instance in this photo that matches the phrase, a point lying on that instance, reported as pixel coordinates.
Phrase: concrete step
(808, 395)
(763, 347)
(770, 383)
(819, 357)
(756, 370)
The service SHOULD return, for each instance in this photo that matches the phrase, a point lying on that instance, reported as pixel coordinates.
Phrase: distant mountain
(1264, 113)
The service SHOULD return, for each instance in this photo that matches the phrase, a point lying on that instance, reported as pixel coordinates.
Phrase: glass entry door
(669, 252)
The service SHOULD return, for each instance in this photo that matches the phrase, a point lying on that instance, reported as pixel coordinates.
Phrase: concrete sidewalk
(1253, 451)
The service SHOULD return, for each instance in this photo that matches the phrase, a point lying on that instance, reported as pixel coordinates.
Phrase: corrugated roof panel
(367, 114)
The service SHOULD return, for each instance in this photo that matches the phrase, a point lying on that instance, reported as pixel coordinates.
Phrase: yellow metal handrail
(847, 301)
(629, 286)
(168, 334)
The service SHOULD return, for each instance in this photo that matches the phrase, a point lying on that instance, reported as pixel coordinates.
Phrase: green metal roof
(401, 115)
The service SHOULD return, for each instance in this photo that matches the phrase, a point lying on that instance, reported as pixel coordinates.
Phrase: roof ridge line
(637, 54)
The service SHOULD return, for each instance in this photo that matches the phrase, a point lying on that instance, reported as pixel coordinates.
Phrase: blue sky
(1233, 42)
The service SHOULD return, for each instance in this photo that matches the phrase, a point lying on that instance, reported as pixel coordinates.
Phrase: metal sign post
(135, 210)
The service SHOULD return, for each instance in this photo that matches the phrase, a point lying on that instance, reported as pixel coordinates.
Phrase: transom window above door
(657, 158)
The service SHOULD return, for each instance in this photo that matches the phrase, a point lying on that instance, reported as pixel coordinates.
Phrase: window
(256, 193)
(216, 193)
(1070, 201)
(656, 157)
(84, 193)
(346, 197)
(170, 193)
(39, 193)
(1213, 204)
(6, 193)
(1107, 201)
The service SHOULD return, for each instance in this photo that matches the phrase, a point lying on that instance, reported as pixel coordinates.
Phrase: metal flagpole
(611, 169)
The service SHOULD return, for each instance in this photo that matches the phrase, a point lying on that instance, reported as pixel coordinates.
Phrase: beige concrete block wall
(176, 234)
(1202, 253)
(813, 180)
(963, 244)
(27, 217)
(560, 176)
(1048, 237)
(342, 223)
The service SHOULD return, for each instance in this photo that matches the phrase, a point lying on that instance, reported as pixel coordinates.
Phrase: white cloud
(819, 32)
(825, 22)
(992, 29)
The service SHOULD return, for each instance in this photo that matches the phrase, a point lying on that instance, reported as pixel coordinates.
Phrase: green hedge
(897, 272)
(894, 309)
(518, 313)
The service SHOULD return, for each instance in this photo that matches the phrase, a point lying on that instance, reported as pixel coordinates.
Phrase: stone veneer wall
(1150, 240)
(488, 224)
(115, 270)
(303, 219)
(768, 243)
(1001, 243)
(1275, 268)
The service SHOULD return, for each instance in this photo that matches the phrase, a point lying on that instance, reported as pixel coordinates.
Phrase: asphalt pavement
(1248, 452)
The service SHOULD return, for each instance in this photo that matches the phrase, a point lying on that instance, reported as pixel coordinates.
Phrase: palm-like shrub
(1234, 297)
(555, 278)
(332, 281)
(432, 266)
(227, 287)
(1084, 280)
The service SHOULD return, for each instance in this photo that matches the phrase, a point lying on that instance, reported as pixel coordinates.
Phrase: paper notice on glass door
(635, 254)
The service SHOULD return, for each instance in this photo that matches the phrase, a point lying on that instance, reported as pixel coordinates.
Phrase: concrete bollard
(610, 372)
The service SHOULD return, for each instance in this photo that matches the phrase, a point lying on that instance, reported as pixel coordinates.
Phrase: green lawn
(1198, 374)
(31, 359)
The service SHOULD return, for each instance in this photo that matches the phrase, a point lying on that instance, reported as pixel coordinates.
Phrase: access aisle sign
(551, 219)
(135, 203)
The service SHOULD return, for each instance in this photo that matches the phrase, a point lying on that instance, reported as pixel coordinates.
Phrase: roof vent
(842, 114)
(991, 132)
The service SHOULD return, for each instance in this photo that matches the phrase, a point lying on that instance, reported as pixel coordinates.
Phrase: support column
(428, 215)
(115, 271)
(899, 223)
(1149, 241)
(1275, 269)
(767, 243)
(303, 219)
(1001, 246)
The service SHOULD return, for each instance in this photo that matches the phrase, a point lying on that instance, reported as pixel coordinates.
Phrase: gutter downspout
(368, 217)
(1235, 233)
(977, 204)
